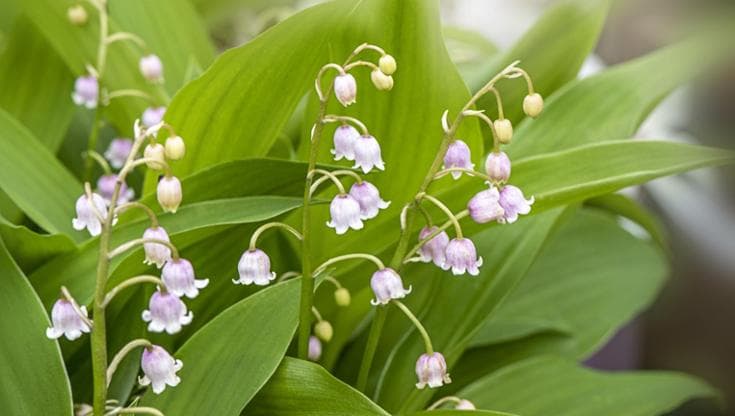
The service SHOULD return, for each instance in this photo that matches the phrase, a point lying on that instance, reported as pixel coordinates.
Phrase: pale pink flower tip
(434, 249)
(513, 203)
(345, 137)
(387, 285)
(179, 278)
(461, 257)
(345, 213)
(166, 312)
(458, 156)
(368, 196)
(431, 370)
(254, 267)
(86, 215)
(485, 206)
(66, 321)
(367, 154)
(345, 89)
(159, 369)
(86, 91)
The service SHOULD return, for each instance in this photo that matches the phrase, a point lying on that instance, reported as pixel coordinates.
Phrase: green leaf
(551, 52)
(30, 249)
(442, 412)
(554, 386)
(35, 84)
(231, 358)
(300, 388)
(610, 105)
(77, 270)
(612, 274)
(32, 375)
(625, 207)
(470, 51)
(35, 180)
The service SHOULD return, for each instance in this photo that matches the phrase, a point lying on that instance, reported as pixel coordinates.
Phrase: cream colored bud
(381, 81)
(387, 64)
(156, 153)
(77, 15)
(169, 193)
(342, 297)
(323, 330)
(504, 130)
(175, 148)
(533, 105)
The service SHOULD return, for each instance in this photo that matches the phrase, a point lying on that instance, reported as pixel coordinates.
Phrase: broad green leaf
(76, 270)
(552, 52)
(35, 180)
(470, 51)
(231, 358)
(30, 249)
(612, 274)
(304, 388)
(444, 412)
(554, 386)
(610, 105)
(32, 375)
(625, 207)
(35, 84)
(458, 305)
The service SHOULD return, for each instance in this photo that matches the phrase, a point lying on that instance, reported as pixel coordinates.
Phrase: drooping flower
(513, 203)
(485, 206)
(159, 369)
(179, 278)
(86, 215)
(345, 89)
(315, 348)
(387, 64)
(77, 15)
(166, 312)
(461, 257)
(151, 68)
(254, 267)
(464, 404)
(458, 156)
(152, 116)
(367, 154)
(345, 137)
(381, 81)
(431, 370)
(345, 212)
(175, 148)
(342, 297)
(66, 321)
(434, 249)
(387, 285)
(118, 151)
(106, 187)
(324, 330)
(497, 167)
(169, 193)
(86, 91)
(368, 196)
(503, 130)
(533, 105)
(156, 253)
(155, 155)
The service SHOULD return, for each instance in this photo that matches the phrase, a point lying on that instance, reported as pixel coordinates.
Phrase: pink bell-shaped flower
(431, 370)
(159, 369)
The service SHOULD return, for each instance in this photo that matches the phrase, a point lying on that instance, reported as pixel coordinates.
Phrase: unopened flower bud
(434, 249)
(497, 167)
(157, 155)
(533, 105)
(159, 369)
(77, 15)
(342, 297)
(461, 257)
(66, 321)
(179, 278)
(166, 312)
(254, 267)
(345, 212)
(431, 370)
(485, 206)
(458, 156)
(504, 130)
(387, 64)
(156, 253)
(513, 203)
(86, 91)
(345, 137)
(368, 196)
(323, 330)
(169, 193)
(387, 285)
(315, 348)
(381, 81)
(152, 116)
(175, 148)
(345, 89)
(151, 68)
(86, 215)
(465, 405)
(367, 154)
(118, 151)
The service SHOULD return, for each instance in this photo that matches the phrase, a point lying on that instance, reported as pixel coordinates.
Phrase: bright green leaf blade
(231, 358)
(77, 270)
(441, 412)
(612, 274)
(30, 249)
(625, 207)
(35, 180)
(301, 388)
(553, 386)
(32, 375)
(35, 84)
(610, 105)
(552, 52)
